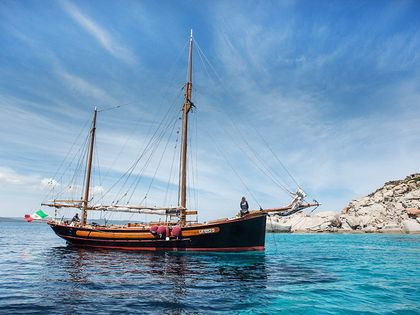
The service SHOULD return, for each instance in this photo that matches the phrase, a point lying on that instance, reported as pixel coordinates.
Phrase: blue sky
(332, 86)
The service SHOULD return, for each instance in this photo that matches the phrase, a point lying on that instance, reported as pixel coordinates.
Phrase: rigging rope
(234, 171)
(195, 166)
(152, 152)
(258, 158)
(160, 161)
(71, 187)
(276, 157)
(173, 161)
(154, 146)
(63, 161)
(152, 139)
(130, 170)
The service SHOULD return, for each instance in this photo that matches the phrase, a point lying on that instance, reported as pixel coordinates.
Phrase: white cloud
(82, 86)
(105, 39)
(27, 181)
(10, 177)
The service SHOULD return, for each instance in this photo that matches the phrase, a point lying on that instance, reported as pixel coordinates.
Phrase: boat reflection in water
(82, 280)
(151, 281)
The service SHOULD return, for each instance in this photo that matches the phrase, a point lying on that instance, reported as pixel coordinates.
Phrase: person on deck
(76, 218)
(244, 206)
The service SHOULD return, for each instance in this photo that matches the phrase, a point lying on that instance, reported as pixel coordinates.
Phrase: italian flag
(39, 215)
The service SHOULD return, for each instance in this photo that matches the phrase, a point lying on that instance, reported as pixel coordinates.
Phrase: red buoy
(161, 230)
(176, 231)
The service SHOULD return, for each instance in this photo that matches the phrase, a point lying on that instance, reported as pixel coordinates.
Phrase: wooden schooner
(241, 233)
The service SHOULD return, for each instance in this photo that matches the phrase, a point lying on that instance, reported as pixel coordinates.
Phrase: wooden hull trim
(113, 240)
(145, 234)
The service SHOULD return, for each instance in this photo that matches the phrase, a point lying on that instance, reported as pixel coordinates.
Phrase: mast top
(89, 168)
(189, 70)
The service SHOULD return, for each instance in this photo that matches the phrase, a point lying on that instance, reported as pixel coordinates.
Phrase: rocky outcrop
(301, 222)
(393, 208)
(278, 225)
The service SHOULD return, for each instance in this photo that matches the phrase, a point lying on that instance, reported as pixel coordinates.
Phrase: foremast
(89, 169)
(185, 110)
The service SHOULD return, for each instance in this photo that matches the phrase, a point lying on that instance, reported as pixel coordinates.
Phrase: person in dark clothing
(244, 206)
(75, 218)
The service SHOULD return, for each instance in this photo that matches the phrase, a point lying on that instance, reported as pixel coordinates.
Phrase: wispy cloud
(77, 83)
(9, 176)
(104, 38)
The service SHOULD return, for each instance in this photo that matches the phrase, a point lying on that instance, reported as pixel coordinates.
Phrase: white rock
(392, 226)
(345, 226)
(398, 206)
(362, 202)
(313, 224)
(411, 226)
(414, 194)
(376, 210)
(369, 229)
(326, 214)
(388, 194)
(277, 225)
(401, 189)
(307, 224)
(378, 197)
(366, 220)
(352, 221)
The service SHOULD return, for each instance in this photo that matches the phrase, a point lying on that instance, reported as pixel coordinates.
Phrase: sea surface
(297, 274)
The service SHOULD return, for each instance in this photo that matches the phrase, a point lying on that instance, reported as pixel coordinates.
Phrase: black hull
(241, 234)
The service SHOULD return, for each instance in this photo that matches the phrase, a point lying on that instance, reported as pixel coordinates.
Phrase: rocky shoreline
(393, 208)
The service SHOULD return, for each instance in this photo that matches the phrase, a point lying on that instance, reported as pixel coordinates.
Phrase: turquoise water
(298, 274)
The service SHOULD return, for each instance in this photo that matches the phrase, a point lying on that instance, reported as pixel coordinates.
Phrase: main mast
(185, 110)
(89, 168)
